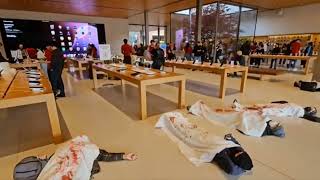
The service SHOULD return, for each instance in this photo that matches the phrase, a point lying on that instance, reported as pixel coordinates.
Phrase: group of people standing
(153, 52)
(293, 48)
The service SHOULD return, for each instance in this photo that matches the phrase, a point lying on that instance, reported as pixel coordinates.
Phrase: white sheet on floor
(197, 144)
(72, 160)
(251, 120)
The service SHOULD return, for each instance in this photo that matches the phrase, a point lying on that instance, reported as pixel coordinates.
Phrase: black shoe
(61, 95)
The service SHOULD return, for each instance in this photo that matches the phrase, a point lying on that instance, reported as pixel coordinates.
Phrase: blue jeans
(197, 58)
(188, 57)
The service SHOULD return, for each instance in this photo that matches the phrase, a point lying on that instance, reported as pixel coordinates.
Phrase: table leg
(244, 81)
(80, 70)
(123, 82)
(143, 101)
(182, 95)
(173, 68)
(54, 119)
(95, 80)
(223, 85)
(306, 70)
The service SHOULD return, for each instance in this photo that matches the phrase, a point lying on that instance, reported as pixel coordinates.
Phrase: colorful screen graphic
(73, 37)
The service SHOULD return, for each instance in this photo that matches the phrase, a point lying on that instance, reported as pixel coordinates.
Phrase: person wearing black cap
(57, 63)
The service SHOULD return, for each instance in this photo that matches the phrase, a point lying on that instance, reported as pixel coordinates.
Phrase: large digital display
(73, 37)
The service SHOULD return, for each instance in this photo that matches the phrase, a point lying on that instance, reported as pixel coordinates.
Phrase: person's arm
(109, 157)
(122, 50)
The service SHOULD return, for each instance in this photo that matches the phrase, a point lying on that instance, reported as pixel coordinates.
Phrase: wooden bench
(265, 71)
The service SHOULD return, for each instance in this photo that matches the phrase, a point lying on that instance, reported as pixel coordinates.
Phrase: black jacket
(57, 60)
(245, 48)
(199, 51)
(157, 58)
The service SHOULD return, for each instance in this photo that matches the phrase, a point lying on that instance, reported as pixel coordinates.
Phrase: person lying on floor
(76, 159)
(255, 120)
(307, 86)
(201, 146)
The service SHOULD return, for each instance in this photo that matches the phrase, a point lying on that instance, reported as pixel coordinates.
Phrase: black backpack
(29, 168)
(308, 86)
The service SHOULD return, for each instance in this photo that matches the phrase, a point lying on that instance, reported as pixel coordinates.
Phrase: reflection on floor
(126, 99)
(26, 127)
(205, 89)
(85, 111)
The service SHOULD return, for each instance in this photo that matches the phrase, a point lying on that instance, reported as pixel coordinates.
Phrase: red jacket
(126, 50)
(295, 48)
(48, 55)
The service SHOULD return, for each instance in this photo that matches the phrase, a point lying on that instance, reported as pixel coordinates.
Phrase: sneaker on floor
(295, 69)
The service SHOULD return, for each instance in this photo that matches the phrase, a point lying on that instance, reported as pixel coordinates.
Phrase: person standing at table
(57, 63)
(158, 58)
(126, 50)
(259, 50)
(21, 54)
(93, 51)
(199, 52)
(307, 52)
(139, 50)
(188, 52)
(275, 51)
(171, 51)
(295, 51)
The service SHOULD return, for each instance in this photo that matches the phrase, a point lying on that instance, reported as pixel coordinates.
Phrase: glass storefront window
(136, 34)
(228, 27)
(222, 26)
(247, 24)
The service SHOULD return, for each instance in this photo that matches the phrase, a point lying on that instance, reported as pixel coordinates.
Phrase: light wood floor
(109, 118)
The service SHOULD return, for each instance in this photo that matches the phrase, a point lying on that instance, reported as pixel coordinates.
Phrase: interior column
(198, 19)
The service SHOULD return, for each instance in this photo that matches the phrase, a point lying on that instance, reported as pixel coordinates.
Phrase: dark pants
(282, 61)
(56, 80)
(273, 62)
(255, 61)
(127, 59)
(303, 63)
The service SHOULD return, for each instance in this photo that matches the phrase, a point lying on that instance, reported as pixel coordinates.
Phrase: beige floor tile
(86, 112)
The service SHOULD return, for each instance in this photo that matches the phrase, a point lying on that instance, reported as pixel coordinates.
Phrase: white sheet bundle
(251, 120)
(197, 144)
(72, 160)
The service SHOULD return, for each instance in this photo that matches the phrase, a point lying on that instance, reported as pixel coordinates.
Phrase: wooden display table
(142, 81)
(26, 65)
(15, 91)
(80, 63)
(215, 68)
(287, 57)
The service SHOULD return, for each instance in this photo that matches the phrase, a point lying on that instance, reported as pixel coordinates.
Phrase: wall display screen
(72, 37)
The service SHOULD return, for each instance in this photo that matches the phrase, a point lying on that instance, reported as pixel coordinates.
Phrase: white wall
(302, 19)
(116, 29)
